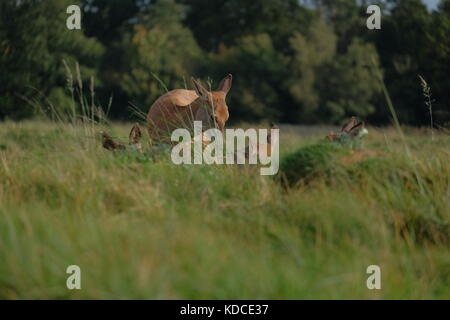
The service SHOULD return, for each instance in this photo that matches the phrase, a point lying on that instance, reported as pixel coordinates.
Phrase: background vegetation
(292, 61)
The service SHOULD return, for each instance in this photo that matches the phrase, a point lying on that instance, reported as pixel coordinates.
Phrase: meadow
(142, 228)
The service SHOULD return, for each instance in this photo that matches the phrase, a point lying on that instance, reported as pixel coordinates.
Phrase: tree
(402, 44)
(31, 53)
(107, 19)
(327, 85)
(347, 18)
(347, 84)
(215, 21)
(310, 53)
(258, 70)
(438, 62)
(158, 53)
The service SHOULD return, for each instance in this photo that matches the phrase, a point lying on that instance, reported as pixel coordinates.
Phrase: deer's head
(214, 111)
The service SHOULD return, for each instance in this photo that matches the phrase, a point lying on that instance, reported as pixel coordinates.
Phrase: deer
(133, 141)
(353, 128)
(180, 107)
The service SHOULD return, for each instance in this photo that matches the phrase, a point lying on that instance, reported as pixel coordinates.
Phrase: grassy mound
(325, 159)
(392, 178)
(308, 162)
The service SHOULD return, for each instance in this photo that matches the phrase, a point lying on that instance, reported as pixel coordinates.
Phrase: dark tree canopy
(309, 61)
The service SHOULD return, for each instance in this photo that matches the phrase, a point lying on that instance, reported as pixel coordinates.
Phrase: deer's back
(174, 109)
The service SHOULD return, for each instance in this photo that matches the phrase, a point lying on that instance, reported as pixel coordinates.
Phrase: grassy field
(147, 229)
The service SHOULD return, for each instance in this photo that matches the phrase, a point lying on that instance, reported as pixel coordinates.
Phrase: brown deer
(352, 129)
(133, 141)
(179, 108)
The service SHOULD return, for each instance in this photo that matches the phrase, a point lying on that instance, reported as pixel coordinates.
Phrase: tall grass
(149, 230)
(413, 161)
(426, 91)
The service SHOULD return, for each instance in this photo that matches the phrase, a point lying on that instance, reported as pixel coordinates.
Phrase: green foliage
(291, 62)
(438, 61)
(312, 83)
(158, 50)
(106, 20)
(410, 43)
(348, 85)
(331, 85)
(309, 54)
(347, 18)
(32, 49)
(260, 68)
(307, 163)
(225, 22)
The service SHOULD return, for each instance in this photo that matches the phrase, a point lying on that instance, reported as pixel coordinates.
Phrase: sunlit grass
(146, 229)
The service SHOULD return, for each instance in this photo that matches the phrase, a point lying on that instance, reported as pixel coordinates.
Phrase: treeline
(293, 61)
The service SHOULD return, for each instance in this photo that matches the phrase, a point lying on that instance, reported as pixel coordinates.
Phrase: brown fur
(351, 128)
(135, 134)
(135, 137)
(134, 140)
(109, 144)
(179, 108)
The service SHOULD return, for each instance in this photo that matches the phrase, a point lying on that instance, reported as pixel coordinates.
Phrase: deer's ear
(349, 125)
(225, 84)
(200, 90)
(135, 134)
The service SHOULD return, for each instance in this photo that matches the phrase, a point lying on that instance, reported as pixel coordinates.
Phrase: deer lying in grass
(179, 108)
(133, 141)
(350, 133)
(351, 129)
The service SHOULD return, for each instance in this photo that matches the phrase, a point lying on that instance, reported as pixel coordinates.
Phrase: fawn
(133, 140)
